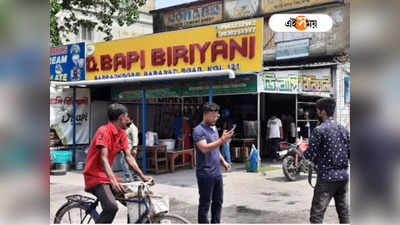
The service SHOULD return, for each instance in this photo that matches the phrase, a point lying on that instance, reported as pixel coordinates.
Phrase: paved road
(248, 197)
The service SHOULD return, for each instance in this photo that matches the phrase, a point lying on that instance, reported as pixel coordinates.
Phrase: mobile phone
(233, 128)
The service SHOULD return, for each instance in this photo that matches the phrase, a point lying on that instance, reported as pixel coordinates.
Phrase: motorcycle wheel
(289, 168)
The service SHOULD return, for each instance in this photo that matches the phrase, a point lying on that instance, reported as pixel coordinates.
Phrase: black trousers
(323, 193)
(211, 192)
(274, 146)
(108, 202)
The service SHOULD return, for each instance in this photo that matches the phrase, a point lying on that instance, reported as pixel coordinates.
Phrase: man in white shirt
(274, 134)
(133, 140)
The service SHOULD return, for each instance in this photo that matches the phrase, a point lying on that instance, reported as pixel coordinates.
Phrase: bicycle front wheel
(73, 213)
(170, 218)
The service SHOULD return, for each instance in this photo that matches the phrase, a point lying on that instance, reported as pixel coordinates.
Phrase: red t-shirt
(114, 140)
(187, 129)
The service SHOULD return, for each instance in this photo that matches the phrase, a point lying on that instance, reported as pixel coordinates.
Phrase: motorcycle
(293, 162)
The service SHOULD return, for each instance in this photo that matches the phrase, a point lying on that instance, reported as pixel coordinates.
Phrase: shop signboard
(194, 15)
(240, 8)
(271, 6)
(292, 49)
(241, 85)
(136, 94)
(280, 81)
(67, 62)
(61, 114)
(315, 80)
(234, 45)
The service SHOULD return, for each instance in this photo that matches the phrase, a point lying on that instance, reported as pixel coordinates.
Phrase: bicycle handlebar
(150, 182)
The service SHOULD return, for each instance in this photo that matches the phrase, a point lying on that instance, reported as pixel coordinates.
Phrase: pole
(210, 92)
(183, 122)
(296, 115)
(259, 130)
(144, 130)
(73, 125)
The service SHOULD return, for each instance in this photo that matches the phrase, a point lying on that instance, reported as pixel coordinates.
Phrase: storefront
(164, 78)
(290, 95)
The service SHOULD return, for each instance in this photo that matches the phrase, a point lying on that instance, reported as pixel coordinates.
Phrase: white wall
(342, 113)
(143, 26)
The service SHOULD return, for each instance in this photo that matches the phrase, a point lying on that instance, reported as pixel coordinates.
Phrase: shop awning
(310, 65)
(180, 76)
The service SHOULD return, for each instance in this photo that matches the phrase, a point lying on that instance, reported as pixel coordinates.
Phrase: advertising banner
(61, 114)
(67, 62)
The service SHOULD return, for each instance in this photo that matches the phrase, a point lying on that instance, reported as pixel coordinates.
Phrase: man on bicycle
(100, 179)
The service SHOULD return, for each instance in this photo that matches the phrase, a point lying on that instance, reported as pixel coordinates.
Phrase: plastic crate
(60, 156)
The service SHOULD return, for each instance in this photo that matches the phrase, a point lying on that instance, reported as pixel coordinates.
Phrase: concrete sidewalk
(248, 197)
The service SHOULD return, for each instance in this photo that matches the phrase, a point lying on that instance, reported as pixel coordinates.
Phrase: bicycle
(85, 208)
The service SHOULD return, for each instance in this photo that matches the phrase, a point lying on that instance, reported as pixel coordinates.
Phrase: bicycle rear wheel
(170, 219)
(73, 213)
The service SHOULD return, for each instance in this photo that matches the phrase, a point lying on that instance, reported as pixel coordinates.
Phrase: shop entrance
(282, 106)
(243, 112)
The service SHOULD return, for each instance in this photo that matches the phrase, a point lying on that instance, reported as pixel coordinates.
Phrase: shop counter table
(156, 158)
(177, 158)
(240, 148)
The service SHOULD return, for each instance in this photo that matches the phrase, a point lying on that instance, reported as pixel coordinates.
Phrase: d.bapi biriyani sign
(235, 45)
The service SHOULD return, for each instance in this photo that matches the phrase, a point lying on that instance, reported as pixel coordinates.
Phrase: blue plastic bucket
(60, 156)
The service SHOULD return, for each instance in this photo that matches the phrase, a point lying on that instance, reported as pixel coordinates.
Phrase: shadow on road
(283, 179)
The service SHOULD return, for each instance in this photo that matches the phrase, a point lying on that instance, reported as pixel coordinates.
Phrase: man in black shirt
(329, 149)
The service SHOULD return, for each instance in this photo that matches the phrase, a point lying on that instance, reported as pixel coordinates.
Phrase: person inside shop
(133, 140)
(178, 124)
(186, 133)
(55, 141)
(182, 131)
(225, 123)
(100, 180)
(208, 159)
(274, 134)
(285, 127)
(292, 129)
(329, 149)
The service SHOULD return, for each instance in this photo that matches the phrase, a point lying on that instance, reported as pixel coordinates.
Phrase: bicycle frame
(139, 202)
(90, 208)
(90, 205)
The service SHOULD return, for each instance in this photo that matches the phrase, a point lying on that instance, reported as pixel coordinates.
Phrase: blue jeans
(211, 192)
(125, 167)
(226, 150)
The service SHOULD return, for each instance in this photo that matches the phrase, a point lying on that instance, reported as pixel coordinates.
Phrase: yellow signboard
(317, 80)
(271, 6)
(234, 45)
